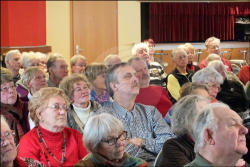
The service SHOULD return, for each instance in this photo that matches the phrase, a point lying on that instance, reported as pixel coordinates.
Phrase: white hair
(27, 57)
(98, 127)
(206, 75)
(211, 39)
(139, 46)
(185, 112)
(75, 58)
(108, 59)
(11, 53)
(211, 57)
(206, 119)
(175, 51)
(217, 65)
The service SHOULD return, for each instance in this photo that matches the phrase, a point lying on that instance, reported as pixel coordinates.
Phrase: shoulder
(72, 132)
(136, 162)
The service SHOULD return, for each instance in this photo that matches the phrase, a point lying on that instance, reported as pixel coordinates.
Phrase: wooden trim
(43, 49)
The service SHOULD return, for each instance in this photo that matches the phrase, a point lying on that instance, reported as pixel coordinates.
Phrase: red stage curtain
(178, 22)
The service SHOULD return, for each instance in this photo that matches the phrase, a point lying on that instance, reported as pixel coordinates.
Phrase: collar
(121, 111)
(29, 96)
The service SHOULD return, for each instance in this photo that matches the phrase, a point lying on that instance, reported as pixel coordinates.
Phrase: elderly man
(232, 91)
(219, 137)
(149, 94)
(213, 46)
(180, 75)
(57, 68)
(13, 63)
(156, 71)
(147, 130)
(111, 60)
(78, 64)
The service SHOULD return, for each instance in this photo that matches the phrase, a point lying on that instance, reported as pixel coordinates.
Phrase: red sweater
(156, 96)
(244, 74)
(30, 147)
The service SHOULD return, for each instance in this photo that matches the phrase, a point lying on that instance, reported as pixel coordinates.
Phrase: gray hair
(27, 57)
(211, 39)
(206, 119)
(185, 111)
(139, 46)
(29, 73)
(108, 59)
(111, 77)
(212, 57)
(130, 61)
(11, 53)
(75, 58)
(52, 59)
(191, 87)
(99, 127)
(217, 65)
(175, 51)
(206, 75)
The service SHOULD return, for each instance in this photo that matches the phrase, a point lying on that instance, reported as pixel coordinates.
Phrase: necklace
(42, 141)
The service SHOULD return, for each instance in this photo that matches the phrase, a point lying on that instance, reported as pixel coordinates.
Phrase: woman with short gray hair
(104, 137)
(180, 150)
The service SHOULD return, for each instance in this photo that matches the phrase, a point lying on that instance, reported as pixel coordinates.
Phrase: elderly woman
(211, 78)
(34, 79)
(28, 59)
(78, 64)
(105, 138)
(188, 47)
(179, 75)
(180, 150)
(51, 142)
(96, 75)
(77, 88)
(14, 110)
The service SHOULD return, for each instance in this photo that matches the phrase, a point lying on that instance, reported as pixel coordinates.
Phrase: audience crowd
(124, 114)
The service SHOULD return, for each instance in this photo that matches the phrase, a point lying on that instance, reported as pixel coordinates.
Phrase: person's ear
(208, 136)
(113, 86)
(39, 114)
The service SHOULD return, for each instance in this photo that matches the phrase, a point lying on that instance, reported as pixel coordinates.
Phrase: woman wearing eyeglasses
(51, 142)
(105, 138)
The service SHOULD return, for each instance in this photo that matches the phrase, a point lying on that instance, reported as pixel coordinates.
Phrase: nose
(244, 130)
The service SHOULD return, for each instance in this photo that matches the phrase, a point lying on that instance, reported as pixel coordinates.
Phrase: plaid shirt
(144, 122)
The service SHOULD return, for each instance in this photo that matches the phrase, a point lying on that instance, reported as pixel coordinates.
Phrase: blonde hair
(29, 73)
(40, 99)
(6, 75)
(67, 83)
(211, 39)
(75, 58)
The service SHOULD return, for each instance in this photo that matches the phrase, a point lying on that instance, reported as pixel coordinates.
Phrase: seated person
(232, 92)
(96, 73)
(188, 47)
(78, 64)
(111, 60)
(14, 110)
(9, 150)
(43, 58)
(51, 142)
(153, 95)
(179, 75)
(57, 69)
(13, 63)
(211, 78)
(219, 137)
(147, 130)
(244, 74)
(77, 88)
(189, 88)
(156, 71)
(213, 46)
(105, 138)
(179, 151)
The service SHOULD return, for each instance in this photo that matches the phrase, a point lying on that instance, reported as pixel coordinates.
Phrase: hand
(136, 141)
(240, 163)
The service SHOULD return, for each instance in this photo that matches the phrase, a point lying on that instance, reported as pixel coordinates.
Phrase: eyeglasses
(58, 107)
(215, 86)
(7, 135)
(113, 141)
(181, 57)
(6, 89)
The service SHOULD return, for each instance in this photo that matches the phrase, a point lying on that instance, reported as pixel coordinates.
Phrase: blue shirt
(144, 122)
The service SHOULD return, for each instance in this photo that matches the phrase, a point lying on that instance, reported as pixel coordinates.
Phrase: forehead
(226, 114)
(121, 71)
(56, 99)
(80, 61)
(60, 62)
(139, 64)
(4, 127)
(7, 84)
(213, 43)
(15, 56)
(79, 83)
